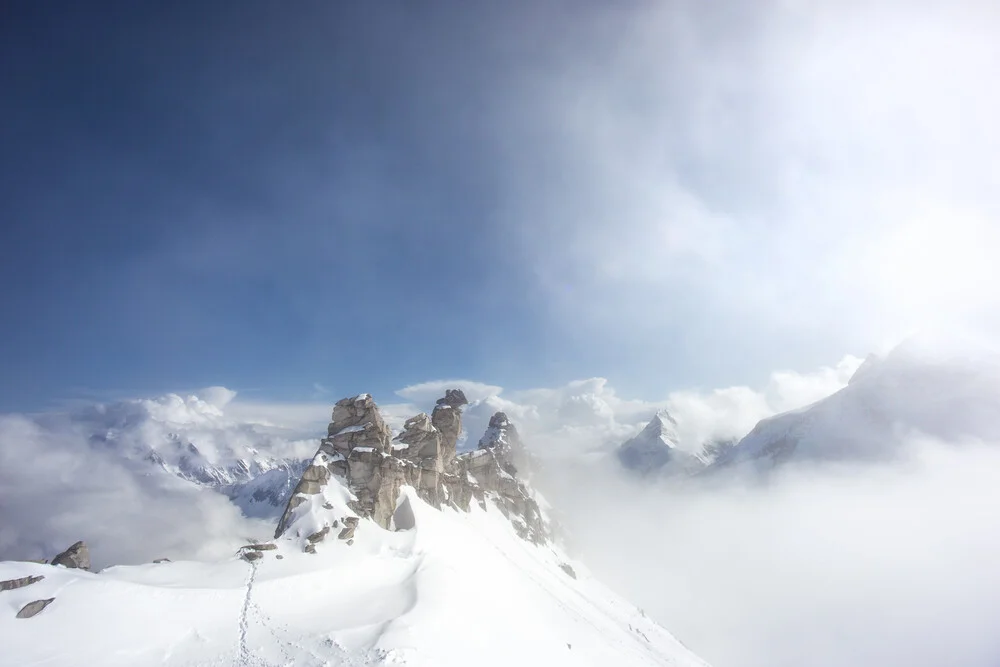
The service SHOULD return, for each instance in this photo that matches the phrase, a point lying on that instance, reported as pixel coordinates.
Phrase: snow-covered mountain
(655, 449)
(910, 392)
(389, 551)
(456, 588)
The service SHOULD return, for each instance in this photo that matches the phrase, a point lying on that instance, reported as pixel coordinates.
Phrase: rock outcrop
(33, 608)
(358, 457)
(13, 584)
(447, 418)
(77, 556)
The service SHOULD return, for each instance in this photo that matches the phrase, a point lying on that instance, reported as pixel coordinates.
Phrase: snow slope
(454, 590)
(912, 391)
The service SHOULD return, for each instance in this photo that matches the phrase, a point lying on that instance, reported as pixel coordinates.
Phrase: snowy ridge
(953, 398)
(391, 598)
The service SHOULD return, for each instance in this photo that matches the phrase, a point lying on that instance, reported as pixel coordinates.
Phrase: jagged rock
(357, 423)
(33, 608)
(357, 440)
(447, 418)
(318, 536)
(359, 454)
(11, 584)
(423, 440)
(502, 437)
(77, 556)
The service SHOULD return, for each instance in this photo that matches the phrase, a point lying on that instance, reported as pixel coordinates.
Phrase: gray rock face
(77, 556)
(33, 608)
(359, 453)
(12, 584)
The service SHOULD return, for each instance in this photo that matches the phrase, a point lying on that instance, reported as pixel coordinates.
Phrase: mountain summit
(389, 551)
(655, 448)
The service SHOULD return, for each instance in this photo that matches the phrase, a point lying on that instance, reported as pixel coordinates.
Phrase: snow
(350, 429)
(457, 589)
(364, 450)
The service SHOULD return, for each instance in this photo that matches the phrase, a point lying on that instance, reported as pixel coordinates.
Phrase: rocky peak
(502, 437)
(356, 422)
(655, 447)
(358, 472)
(454, 398)
(76, 556)
(447, 418)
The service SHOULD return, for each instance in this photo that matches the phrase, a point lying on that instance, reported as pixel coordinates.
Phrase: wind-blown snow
(455, 590)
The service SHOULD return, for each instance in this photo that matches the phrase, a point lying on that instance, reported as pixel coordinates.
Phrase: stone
(33, 608)
(267, 546)
(279, 556)
(447, 418)
(568, 569)
(76, 556)
(350, 542)
(162, 560)
(250, 555)
(12, 584)
(318, 536)
(310, 548)
(423, 439)
(347, 533)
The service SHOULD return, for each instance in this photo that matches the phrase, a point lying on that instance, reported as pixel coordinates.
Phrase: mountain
(192, 439)
(912, 392)
(389, 551)
(654, 449)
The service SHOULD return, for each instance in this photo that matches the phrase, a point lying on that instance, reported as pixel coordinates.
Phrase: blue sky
(371, 195)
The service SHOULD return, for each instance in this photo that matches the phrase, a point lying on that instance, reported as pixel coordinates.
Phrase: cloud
(57, 489)
(847, 565)
(428, 392)
(588, 415)
(783, 174)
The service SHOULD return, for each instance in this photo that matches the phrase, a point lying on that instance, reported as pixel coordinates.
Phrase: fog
(861, 565)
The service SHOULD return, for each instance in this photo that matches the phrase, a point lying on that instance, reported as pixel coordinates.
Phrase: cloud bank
(846, 565)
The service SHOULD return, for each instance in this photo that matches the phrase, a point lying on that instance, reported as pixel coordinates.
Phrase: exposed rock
(568, 569)
(310, 548)
(267, 546)
(33, 608)
(250, 555)
(11, 584)
(447, 418)
(359, 455)
(279, 556)
(318, 536)
(77, 556)
(162, 560)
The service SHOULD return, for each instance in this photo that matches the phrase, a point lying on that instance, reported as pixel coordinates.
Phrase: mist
(844, 564)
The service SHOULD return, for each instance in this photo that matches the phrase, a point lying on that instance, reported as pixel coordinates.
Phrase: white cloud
(851, 565)
(587, 415)
(426, 393)
(57, 488)
(781, 174)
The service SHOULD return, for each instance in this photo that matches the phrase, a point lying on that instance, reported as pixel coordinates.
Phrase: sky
(309, 202)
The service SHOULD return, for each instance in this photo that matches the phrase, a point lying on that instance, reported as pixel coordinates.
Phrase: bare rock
(77, 556)
(11, 584)
(33, 608)
(347, 533)
(318, 536)
(162, 560)
(447, 418)
(568, 569)
(267, 546)
(250, 555)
